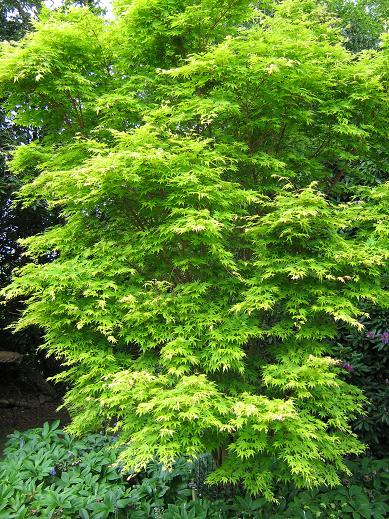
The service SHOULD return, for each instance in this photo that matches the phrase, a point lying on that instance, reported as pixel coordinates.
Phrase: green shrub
(365, 495)
(47, 474)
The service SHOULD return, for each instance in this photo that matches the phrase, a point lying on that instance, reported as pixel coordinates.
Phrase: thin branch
(55, 104)
(219, 19)
(282, 135)
(76, 109)
(337, 179)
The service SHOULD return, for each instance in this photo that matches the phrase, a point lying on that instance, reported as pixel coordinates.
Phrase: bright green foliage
(201, 269)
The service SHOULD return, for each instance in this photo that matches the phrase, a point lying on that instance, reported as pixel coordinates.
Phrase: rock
(10, 357)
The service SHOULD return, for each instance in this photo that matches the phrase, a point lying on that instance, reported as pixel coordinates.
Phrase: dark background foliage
(363, 21)
(366, 362)
(15, 20)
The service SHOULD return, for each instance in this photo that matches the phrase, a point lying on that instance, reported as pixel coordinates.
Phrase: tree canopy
(216, 225)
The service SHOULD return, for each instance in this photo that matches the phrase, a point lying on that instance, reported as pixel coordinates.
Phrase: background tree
(15, 17)
(365, 352)
(15, 20)
(363, 21)
(203, 265)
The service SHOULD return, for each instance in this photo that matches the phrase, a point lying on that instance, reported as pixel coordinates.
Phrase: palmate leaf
(202, 265)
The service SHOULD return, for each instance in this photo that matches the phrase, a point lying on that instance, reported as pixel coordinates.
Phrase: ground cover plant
(210, 241)
(47, 474)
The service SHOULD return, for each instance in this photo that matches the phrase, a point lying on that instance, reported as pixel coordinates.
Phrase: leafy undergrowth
(45, 473)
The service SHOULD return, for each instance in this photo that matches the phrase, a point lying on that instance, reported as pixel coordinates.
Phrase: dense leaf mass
(198, 152)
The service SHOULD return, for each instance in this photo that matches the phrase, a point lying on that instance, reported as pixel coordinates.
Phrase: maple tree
(194, 150)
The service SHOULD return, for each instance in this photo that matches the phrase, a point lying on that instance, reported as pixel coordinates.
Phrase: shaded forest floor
(27, 400)
(22, 418)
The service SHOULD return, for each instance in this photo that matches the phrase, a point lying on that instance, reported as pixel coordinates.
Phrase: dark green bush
(365, 495)
(366, 357)
(47, 474)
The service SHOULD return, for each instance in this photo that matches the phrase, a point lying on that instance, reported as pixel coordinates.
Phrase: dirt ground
(20, 419)
(27, 400)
